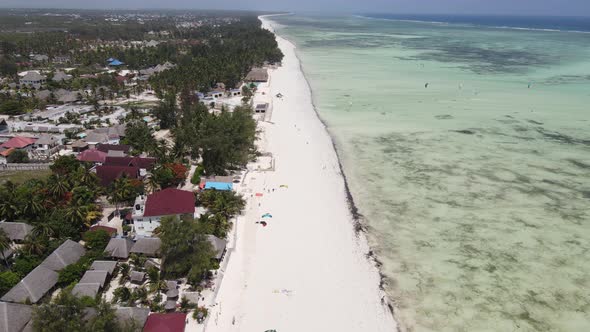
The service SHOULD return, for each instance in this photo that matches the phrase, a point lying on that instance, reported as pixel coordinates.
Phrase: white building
(149, 211)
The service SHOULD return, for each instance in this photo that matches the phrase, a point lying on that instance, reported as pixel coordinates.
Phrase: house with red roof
(92, 156)
(110, 230)
(169, 322)
(19, 142)
(15, 143)
(113, 147)
(143, 163)
(4, 155)
(108, 174)
(149, 211)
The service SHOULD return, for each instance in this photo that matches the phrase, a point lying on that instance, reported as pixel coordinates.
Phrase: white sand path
(307, 270)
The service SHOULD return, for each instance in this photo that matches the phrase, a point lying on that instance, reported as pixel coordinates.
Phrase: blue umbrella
(267, 215)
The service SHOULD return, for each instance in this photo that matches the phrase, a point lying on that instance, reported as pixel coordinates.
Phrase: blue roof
(219, 185)
(115, 63)
(110, 59)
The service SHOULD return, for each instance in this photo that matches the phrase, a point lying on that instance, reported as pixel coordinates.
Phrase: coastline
(359, 227)
(310, 269)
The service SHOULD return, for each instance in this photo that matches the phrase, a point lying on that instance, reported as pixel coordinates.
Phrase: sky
(492, 7)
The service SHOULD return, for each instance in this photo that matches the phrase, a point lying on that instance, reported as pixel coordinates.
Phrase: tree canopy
(185, 249)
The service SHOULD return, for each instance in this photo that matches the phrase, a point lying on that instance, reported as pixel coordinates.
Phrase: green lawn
(22, 176)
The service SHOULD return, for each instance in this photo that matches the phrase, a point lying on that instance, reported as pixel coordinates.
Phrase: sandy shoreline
(308, 269)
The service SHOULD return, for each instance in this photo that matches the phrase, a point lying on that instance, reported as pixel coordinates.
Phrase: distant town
(124, 137)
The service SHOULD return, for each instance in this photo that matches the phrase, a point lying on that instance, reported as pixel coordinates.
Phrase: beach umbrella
(258, 194)
(267, 215)
(283, 186)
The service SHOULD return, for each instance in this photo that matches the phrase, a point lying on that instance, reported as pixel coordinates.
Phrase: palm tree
(76, 214)
(9, 207)
(4, 245)
(42, 229)
(33, 206)
(125, 269)
(140, 294)
(58, 186)
(121, 191)
(152, 183)
(155, 282)
(84, 177)
(122, 295)
(34, 245)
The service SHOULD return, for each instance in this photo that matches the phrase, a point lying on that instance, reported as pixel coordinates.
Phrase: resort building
(46, 145)
(147, 246)
(257, 75)
(219, 246)
(15, 317)
(35, 285)
(108, 174)
(119, 248)
(144, 164)
(92, 156)
(148, 211)
(33, 79)
(60, 76)
(168, 322)
(261, 108)
(16, 231)
(129, 314)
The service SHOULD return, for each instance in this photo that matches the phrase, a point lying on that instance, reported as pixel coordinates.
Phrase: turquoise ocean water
(467, 150)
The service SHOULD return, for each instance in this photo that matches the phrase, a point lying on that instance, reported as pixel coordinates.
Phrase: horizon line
(332, 13)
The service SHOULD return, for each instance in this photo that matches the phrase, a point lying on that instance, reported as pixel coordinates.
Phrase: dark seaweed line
(359, 227)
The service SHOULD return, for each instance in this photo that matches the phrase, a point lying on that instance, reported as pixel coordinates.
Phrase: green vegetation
(8, 279)
(60, 207)
(18, 157)
(186, 250)
(68, 313)
(196, 178)
(23, 176)
(95, 242)
(224, 141)
(221, 207)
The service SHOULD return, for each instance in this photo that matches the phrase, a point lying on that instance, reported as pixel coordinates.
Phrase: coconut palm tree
(33, 206)
(34, 245)
(9, 207)
(4, 245)
(57, 185)
(124, 270)
(155, 282)
(42, 229)
(152, 183)
(121, 191)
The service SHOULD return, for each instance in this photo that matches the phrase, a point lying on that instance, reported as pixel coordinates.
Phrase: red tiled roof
(112, 231)
(92, 155)
(18, 142)
(145, 163)
(6, 152)
(108, 174)
(169, 202)
(113, 147)
(170, 322)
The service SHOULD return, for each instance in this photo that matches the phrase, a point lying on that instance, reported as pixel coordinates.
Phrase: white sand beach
(307, 269)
